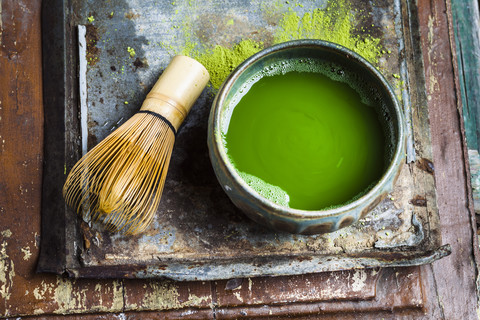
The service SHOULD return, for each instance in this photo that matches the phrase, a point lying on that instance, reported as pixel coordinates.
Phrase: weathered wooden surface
(198, 234)
(443, 290)
(451, 174)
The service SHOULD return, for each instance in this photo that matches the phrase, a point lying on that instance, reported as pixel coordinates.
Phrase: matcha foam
(266, 190)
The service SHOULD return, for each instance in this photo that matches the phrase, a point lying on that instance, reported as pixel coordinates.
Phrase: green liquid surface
(305, 141)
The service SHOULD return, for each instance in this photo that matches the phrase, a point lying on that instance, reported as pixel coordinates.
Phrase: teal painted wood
(467, 39)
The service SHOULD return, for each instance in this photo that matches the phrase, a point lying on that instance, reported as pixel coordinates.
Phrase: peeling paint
(431, 34)
(7, 273)
(194, 300)
(238, 296)
(118, 292)
(164, 295)
(65, 297)
(26, 253)
(69, 300)
(359, 280)
(40, 292)
(38, 311)
(432, 83)
(98, 288)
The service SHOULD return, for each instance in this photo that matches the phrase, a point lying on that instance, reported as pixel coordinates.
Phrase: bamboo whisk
(120, 181)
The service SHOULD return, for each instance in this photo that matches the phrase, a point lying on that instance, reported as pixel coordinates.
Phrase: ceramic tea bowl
(361, 74)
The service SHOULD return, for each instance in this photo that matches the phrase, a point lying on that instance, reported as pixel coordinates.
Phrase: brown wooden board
(198, 234)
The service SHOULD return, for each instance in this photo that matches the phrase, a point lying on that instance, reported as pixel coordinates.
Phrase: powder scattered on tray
(334, 23)
(221, 60)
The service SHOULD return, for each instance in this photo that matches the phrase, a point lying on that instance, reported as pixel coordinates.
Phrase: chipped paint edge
(7, 274)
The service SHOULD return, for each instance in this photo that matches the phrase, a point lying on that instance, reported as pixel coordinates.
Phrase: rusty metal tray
(198, 234)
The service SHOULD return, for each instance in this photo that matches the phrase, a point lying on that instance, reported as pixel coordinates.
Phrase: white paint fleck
(64, 297)
(36, 240)
(359, 278)
(6, 233)
(26, 253)
(238, 296)
(7, 273)
(118, 303)
(187, 313)
(39, 292)
(194, 300)
(38, 311)
(431, 32)
(433, 84)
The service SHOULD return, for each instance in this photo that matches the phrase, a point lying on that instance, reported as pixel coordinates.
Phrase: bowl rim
(225, 88)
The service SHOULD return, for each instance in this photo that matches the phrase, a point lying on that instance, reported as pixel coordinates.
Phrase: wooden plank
(341, 285)
(20, 154)
(153, 315)
(398, 290)
(454, 276)
(21, 145)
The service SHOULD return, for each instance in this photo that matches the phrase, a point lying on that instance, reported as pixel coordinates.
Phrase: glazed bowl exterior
(267, 212)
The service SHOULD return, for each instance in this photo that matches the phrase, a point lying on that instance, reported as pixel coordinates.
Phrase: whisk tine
(119, 183)
(125, 182)
(134, 188)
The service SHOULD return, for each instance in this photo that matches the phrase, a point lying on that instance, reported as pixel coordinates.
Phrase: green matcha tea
(305, 140)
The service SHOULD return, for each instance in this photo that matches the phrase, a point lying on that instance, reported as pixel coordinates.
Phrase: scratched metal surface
(198, 234)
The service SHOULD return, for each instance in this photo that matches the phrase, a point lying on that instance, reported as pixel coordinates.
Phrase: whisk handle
(177, 89)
